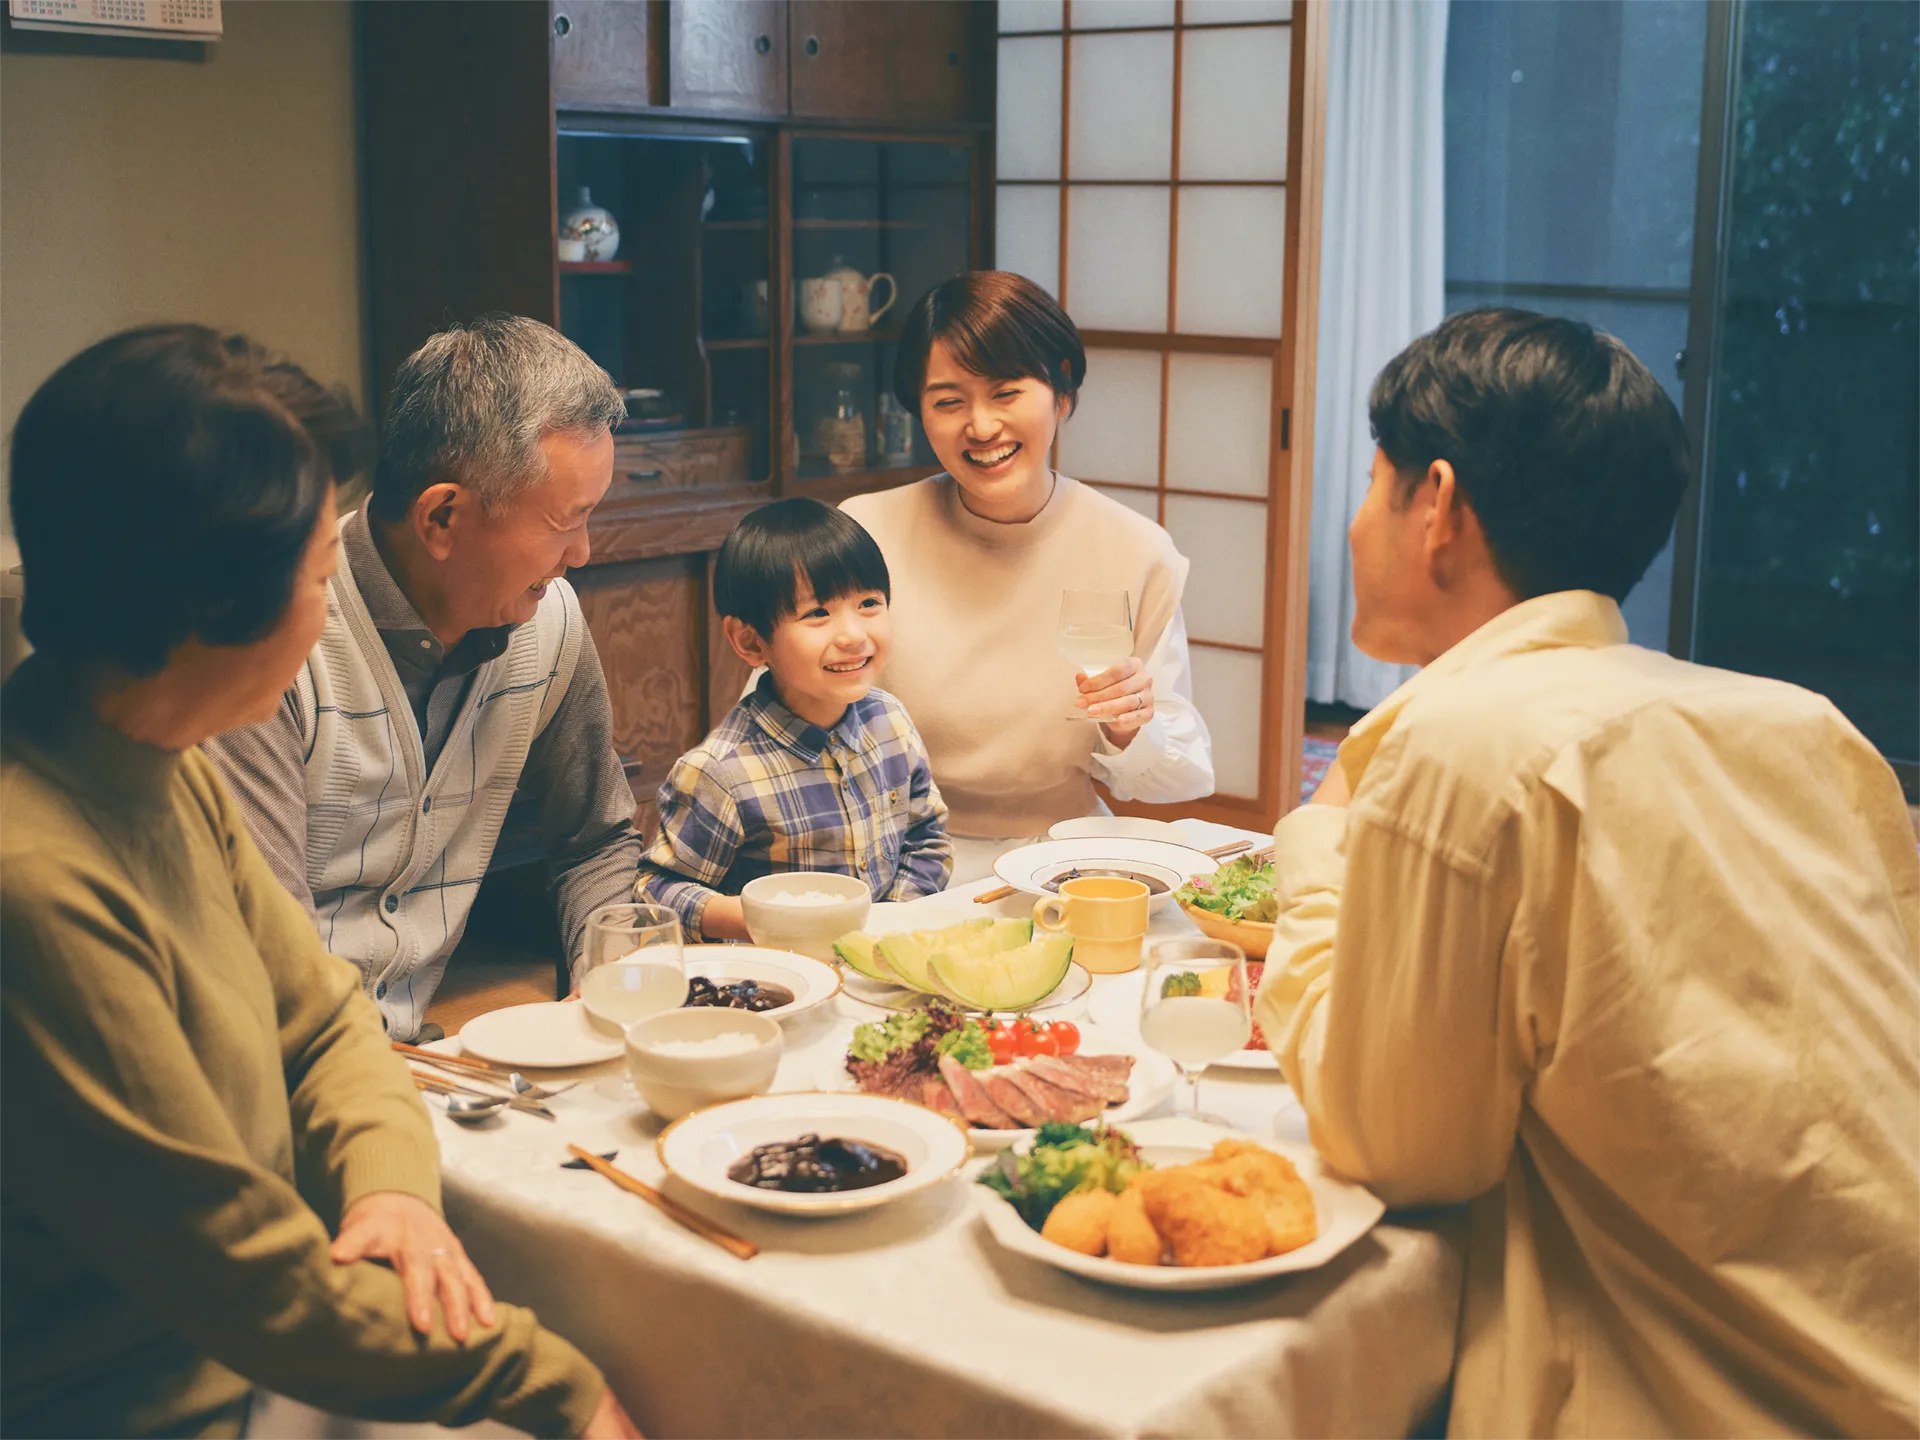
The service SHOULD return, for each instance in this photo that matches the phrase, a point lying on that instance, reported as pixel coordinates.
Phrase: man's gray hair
(473, 404)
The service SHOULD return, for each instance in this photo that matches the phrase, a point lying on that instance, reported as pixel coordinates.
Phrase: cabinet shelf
(733, 225)
(596, 267)
(850, 337)
(748, 342)
(861, 225)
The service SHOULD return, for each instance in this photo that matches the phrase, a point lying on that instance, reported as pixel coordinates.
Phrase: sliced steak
(1014, 1101)
(974, 1102)
(1055, 1071)
(1106, 1071)
(935, 1095)
(1061, 1105)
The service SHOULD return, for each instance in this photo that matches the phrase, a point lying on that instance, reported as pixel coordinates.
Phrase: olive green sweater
(192, 1091)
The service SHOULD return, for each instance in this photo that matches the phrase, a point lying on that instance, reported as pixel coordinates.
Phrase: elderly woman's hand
(411, 1236)
(1121, 699)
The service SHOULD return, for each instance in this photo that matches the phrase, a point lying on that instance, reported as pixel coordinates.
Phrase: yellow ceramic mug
(1106, 916)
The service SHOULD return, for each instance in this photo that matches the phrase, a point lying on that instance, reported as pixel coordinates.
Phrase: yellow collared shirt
(1622, 950)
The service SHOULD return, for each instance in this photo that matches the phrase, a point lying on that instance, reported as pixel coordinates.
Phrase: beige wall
(220, 191)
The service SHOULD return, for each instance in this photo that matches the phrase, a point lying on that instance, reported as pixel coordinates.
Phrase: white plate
(898, 997)
(1345, 1212)
(701, 1148)
(1149, 1084)
(812, 983)
(1116, 1007)
(552, 1033)
(1122, 827)
(1031, 866)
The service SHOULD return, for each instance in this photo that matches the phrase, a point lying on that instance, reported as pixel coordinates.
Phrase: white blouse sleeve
(1171, 759)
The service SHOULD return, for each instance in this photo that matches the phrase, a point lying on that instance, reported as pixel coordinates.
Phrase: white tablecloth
(910, 1320)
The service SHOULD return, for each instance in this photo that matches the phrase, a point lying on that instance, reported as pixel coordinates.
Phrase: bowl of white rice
(804, 910)
(684, 1060)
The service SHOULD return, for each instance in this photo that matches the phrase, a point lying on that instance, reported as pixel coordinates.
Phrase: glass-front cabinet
(745, 287)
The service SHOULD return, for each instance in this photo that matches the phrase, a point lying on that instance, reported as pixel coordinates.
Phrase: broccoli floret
(1184, 983)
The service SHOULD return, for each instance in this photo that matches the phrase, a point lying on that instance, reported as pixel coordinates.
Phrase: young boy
(815, 769)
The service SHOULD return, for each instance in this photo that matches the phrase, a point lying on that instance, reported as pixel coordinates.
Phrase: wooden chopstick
(673, 1209)
(1221, 852)
(987, 897)
(457, 1062)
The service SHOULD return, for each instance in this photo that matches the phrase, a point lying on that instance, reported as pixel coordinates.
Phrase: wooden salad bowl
(1252, 936)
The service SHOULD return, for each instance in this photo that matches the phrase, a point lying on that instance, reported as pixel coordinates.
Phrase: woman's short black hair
(1566, 447)
(996, 324)
(757, 574)
(165, 483)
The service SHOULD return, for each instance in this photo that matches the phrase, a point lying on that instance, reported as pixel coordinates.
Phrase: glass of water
(1096, 632)
(632, 965)
(1195, 1008)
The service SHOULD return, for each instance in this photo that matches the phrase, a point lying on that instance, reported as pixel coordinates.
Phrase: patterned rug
(1317, 756)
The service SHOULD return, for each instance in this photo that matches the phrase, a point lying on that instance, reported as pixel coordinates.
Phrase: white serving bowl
(806, 929)
(1118, 827)
(676, 1085)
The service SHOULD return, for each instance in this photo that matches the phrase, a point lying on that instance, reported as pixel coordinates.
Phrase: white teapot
(840, 300)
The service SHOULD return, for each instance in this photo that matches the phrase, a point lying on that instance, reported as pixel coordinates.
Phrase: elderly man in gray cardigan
(455, 678)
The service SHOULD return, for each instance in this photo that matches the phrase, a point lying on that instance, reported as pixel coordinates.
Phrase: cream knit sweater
(976, 613)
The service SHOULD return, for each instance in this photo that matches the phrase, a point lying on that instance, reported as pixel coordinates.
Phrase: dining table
(910, 1319)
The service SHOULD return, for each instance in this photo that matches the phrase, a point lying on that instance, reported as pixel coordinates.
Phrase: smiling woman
(981, 556)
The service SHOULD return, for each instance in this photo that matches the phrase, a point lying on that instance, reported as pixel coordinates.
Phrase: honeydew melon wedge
(908, 955)
(857, 951)
(1006, 979)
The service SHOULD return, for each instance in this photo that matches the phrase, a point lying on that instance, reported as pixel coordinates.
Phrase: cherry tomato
(1003, 1044)
(1043, 1042)
(1066, 1036)
(1024, 1026)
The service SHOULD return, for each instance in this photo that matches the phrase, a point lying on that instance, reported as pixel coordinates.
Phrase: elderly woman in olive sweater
(207, 1143)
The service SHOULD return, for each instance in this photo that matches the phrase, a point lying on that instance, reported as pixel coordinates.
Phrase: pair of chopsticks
(699, 1224)
(1219, 852)
(439, 1085)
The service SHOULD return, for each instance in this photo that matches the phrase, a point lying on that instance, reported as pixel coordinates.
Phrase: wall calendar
(141, 19)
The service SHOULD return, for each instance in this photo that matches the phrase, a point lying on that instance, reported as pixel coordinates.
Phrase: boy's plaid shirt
(768, 792)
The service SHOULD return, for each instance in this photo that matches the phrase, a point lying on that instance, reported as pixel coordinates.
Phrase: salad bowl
(1252, 936)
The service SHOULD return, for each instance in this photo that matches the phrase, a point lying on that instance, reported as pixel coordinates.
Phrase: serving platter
(1344, 1211)
(1034, 869)
(812, 982)
(700, 1148)
(1148, 1086)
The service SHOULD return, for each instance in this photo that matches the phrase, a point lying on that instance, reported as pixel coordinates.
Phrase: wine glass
(631, 966)
(1096, 632)
(1194, 1008)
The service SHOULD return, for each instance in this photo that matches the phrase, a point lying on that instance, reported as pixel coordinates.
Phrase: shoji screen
(1142, 177)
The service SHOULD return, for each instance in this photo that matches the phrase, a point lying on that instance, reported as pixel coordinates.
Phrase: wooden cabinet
(739, 169)
(728, 55)
(607, 54)
(905, 60)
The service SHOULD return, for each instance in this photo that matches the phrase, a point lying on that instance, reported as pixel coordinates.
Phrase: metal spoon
(524, 1087)
(471, 1110)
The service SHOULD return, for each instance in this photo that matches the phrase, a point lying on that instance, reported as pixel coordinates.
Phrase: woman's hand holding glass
(1120, 698)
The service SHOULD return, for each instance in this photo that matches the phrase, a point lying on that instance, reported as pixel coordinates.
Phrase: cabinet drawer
(684, 460)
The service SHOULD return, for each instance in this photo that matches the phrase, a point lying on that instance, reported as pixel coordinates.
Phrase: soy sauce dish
(814, 1154)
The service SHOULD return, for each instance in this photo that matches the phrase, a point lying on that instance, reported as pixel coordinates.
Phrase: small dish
(811, 982)
(677, 1084)
(700, 1149)
(546, 1035)
(1162, 866)
(1345, 1211)
(1116, 827)
(807, 928)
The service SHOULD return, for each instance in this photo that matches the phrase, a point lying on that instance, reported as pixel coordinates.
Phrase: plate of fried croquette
(1216, 1210)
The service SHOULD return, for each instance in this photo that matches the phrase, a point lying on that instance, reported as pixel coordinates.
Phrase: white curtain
(1381, 284)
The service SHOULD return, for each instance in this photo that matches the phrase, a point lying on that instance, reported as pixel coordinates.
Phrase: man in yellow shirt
(1618, 948)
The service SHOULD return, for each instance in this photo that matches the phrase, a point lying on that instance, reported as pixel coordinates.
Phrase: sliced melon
(857, 951)
(1006, 979)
